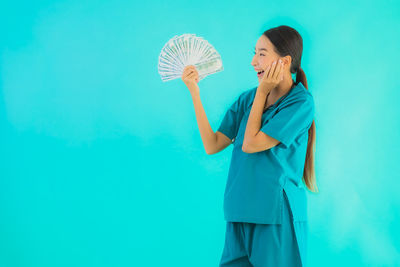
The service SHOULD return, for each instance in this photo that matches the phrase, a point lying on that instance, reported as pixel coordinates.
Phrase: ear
(287, 60)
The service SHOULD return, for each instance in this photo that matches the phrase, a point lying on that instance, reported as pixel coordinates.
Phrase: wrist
(264, 89)
(194, 91)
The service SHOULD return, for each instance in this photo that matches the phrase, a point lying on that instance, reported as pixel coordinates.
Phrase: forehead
(264, 42)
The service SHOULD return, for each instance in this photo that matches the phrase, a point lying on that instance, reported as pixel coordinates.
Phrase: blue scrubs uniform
(258, 183)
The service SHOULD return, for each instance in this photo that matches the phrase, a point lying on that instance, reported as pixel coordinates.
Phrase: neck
(283, 87)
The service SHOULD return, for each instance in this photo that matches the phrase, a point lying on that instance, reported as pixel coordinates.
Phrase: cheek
(264, 63)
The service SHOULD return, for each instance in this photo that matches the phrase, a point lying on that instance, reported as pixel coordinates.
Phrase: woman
(273, 132)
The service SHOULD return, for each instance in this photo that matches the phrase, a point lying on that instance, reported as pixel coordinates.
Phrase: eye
(260, 54)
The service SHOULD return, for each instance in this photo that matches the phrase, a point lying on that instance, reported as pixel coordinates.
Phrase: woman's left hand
(273, 75)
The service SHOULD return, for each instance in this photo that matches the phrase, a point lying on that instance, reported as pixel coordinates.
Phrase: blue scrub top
(255, 181)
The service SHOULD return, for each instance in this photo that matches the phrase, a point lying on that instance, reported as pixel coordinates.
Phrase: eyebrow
(261, 49)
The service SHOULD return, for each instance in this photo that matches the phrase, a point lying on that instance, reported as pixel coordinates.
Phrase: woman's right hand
(190, 77)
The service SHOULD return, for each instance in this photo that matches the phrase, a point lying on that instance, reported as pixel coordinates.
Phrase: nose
(253, 63)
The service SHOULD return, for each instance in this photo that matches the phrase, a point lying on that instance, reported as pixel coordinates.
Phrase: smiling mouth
(260, 73)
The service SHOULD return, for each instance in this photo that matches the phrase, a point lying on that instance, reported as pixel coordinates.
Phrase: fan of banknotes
(188, 49)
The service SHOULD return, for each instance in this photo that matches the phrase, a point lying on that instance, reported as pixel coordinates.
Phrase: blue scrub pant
(266, 245)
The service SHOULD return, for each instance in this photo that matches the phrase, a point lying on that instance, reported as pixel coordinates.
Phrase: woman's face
(264, 56)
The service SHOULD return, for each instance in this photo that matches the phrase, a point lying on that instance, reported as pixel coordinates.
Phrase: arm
(222, 142)
(213, 142)
(254, 140)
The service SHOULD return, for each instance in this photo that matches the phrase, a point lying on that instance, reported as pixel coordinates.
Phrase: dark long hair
(288, 41)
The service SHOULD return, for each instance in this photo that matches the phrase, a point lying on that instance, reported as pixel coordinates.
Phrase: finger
(282, 70)
(191, 76)
(191, 67)
(184, 75)
(192, 70)
(195, 71)
(184, 72)
(266, 71)
(273, 69)
(187, 72)
(187, 76)
(278, 69)
(187, 68)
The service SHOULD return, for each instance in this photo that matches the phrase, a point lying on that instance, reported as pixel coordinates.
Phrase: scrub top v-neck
(279, 99)
(255, 184)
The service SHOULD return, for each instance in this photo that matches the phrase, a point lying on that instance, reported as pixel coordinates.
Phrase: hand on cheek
(273, 75)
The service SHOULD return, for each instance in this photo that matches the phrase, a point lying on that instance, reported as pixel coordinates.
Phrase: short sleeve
(290, 120)
(230, 122)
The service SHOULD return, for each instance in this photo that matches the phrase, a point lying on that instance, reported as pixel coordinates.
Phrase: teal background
(102, 164)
